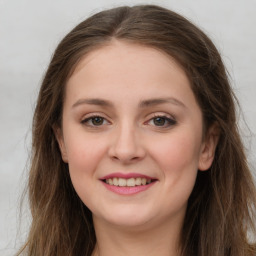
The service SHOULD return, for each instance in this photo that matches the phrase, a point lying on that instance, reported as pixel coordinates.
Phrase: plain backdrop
(30, 31)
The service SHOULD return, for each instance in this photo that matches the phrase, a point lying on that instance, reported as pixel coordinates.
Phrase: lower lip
(128, 190)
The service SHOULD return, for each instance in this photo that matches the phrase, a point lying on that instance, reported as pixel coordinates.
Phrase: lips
(126, 176)
(127, 183)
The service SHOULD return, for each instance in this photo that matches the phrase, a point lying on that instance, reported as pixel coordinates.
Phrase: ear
(59, 137)
(208, 148)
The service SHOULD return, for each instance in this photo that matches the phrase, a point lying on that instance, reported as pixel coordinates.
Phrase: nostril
(125, 147)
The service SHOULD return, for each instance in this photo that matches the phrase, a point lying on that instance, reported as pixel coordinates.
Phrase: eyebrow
(158, 101)
(99, 102)
(142, 104)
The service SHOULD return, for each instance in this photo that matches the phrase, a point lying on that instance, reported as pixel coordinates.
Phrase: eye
(162, 121)
(94, 121)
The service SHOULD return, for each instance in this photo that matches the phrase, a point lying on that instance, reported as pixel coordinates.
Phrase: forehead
(124, 51)
(128, 71)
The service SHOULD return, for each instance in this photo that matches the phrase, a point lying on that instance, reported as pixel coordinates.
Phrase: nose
(126, 145)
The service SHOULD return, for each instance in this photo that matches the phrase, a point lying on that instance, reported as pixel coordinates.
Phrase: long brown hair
(221, 208)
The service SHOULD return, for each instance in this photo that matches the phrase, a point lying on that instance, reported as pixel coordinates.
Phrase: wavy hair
(221, 209)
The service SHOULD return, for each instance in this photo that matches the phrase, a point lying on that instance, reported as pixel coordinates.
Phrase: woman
(136, 149)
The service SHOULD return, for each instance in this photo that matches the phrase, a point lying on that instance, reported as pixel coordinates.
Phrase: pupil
(159, 121)
(97, 120)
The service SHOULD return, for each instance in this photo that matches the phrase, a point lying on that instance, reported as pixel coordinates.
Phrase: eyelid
(170, 119)
(94, 114)
(161, 114)
(88, 117)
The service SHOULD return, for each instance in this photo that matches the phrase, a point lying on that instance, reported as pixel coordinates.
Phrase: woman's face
(132, 135)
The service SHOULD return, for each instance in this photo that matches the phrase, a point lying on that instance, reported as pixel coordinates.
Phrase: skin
(129, 139)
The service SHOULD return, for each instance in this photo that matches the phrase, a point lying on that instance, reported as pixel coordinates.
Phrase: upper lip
(126, 176)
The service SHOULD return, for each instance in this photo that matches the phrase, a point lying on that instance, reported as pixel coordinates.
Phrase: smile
(131, 182)
(127, 184)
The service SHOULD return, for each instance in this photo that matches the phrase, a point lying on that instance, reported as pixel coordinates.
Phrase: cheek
(178, 157)
(178, 151)
(84, 155)
(84, 152)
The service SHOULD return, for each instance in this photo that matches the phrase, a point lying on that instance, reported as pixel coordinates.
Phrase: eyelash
(169, 121)
(89, 119)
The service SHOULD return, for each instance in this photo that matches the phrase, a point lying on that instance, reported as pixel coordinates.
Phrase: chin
(127, 217)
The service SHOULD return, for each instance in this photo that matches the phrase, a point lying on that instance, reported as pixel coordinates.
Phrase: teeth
(121, 182)
(115, 181)
(138, 181)
(132, 182)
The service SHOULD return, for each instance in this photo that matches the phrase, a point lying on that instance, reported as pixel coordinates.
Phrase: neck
(161, 239)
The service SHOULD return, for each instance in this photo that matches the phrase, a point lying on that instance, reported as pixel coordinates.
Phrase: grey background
(29, 33)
